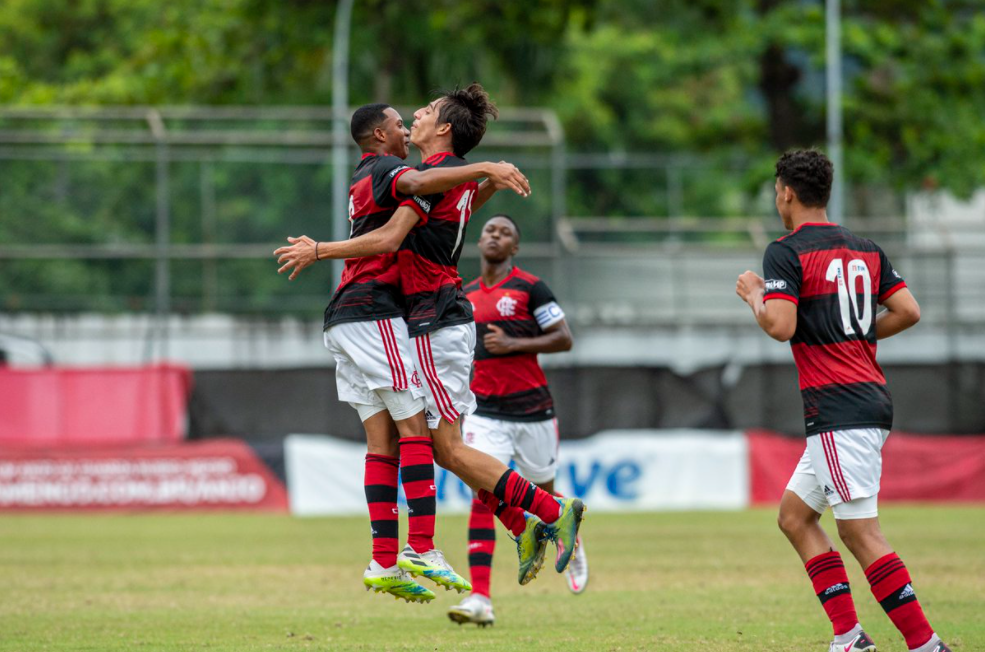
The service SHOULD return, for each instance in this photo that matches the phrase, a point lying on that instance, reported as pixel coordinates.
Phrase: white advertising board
(616, 470)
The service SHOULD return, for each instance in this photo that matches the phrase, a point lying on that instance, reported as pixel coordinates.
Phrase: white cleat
(854, 641)
(577, 571)
(473, 609)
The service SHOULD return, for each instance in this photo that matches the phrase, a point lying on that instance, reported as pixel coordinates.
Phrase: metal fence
(178, 209)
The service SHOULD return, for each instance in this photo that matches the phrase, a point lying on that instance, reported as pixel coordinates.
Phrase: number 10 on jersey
(848, 302)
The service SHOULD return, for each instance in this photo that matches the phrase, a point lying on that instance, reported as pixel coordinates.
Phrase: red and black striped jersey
(429, 256)
(837, 280)
(512, 386)
(370, 287)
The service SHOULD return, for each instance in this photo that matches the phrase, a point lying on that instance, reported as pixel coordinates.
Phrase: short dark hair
(466, 110)
(516, 227)
(809, 173)
(365, 120)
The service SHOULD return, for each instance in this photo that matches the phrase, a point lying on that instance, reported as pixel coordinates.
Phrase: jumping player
(516, 317)
(439, 319)
(366, 334)
(822, 289)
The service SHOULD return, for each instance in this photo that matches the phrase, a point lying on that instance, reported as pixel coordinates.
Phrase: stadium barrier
(220, 474)
(73, 407)
(644, 470)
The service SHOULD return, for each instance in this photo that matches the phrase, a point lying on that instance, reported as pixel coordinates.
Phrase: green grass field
(678, 581)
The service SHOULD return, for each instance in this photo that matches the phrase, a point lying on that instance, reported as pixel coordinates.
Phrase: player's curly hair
(809, 173)
(466, 110)
(365, 120)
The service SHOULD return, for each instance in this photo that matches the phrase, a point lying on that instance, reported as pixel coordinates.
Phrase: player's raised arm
(502, 175)
(492, 185)
(303, 251)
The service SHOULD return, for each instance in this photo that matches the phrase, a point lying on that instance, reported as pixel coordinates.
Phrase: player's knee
(858, 535)
(792, 524)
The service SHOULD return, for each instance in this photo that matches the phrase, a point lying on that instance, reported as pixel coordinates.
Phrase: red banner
(77, 407)
(914, 467)
(222, 474)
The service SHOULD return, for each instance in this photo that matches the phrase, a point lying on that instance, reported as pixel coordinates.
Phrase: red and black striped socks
(380, 484)
(827, 573)
(417, 477)
(891, 586)
(482, 543)
(516, 491)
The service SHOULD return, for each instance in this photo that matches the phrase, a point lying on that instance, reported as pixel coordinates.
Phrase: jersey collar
(482, 283)
(435, 158)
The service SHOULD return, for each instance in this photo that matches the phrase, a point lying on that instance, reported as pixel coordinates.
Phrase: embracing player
(822, 290)
(516, 317)
(367, 335)
(429, 231)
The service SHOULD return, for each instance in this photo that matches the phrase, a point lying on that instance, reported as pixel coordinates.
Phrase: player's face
(397, 135)
(498, 240)
(782, 205)
(425, 124)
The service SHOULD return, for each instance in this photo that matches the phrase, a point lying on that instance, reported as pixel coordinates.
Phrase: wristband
(316, 251)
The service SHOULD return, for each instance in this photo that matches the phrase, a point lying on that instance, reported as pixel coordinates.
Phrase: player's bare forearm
(902, 311)
(502, 175)
(484, 194)
(555, 340)
(778, 319)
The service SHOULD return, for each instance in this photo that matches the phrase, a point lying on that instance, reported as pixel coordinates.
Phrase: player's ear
(379, 134)
(443, 129)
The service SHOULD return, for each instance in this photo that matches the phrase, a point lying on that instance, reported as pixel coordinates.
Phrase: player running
(439, 318)
(516, 317)
(367, 335)
(822, 289)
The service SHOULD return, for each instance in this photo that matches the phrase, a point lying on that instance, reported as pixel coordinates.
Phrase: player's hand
(296, 257)
(506, 176)
(497, 342)
(750, 286)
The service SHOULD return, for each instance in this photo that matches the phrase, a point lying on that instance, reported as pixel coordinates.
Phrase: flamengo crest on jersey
(837, 280)
(512, 387)
(370, 287)
(429, 255)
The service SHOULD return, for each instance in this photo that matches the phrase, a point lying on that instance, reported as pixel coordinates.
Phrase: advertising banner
(74, 407)
(217, 474)
(613, 471)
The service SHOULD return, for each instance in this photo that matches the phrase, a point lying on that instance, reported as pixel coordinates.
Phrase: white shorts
(841, 469)
(371, 355)
(533, 445)
(444, 358)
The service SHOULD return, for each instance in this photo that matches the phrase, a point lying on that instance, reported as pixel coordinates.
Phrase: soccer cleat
(859, 642)
(473, 609)
(396, 582)
(577, 573)
(564, 531)
(531, 547)
(433, 566)
(935, 644)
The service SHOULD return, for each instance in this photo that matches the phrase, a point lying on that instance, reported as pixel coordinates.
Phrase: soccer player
(366, 334)
(821, 293)
(439, 318)
(516, 318)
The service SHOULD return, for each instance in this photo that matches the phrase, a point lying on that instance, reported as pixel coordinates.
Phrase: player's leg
(444, 358)
(357, 370)
(854, 459)
(380, 485)
(799, 518)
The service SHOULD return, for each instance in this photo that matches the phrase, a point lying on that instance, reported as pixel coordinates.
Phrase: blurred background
(152, 156)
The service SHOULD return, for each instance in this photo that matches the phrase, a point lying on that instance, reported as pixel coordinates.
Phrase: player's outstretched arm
(902, 311)
(304, 251)
(556, 338)
(491, 186)
(503, 175)
(777, 318)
